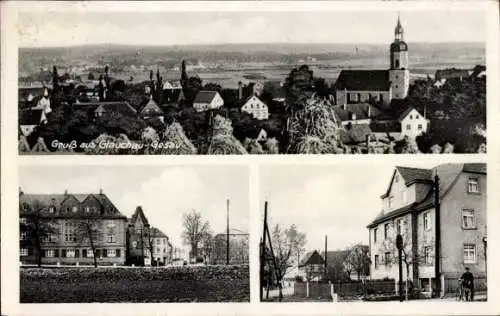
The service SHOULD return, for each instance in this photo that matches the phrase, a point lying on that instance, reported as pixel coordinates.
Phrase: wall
(454, 236)
(342, 98)
(257, 108)
(413, 120)
(400, 83)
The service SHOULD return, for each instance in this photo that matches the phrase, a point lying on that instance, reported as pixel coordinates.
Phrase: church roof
(363, 80)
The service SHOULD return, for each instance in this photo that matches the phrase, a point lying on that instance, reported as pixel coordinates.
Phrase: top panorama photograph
(229, 83)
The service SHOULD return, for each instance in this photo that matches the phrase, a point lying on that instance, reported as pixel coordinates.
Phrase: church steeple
(398, 31)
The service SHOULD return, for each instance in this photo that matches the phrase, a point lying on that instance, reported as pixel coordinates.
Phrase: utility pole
(263, 253)
(227, 234)
(326, 254)
(437, 208)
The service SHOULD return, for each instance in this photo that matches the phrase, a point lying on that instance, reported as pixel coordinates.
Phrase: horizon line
(244, 43)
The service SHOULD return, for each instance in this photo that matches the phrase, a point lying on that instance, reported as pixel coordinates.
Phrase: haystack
(177, 142)
(23, 145)
(223, 142)
(40, 146)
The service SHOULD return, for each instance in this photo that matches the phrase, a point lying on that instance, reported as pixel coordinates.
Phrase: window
(377, 261)
(468, 219)
(427, 255)
(23, 252)
(427, 221)
(163, 241)
(419, 127)
(374, 235)
(381, 97)
(390, 202)
(69, 233)
(70, 253)
(408, 127)
(469, 253)
(387, 258)
(50, 253)
(111, 237)
(417, 116)
(158, 250)
(111, 253)
(87, 209)
(157, 241)
(75, 209)
(386, 231)
(396, 64)
(411, 117)
(473, 186)
(52, 209)
(399, 226)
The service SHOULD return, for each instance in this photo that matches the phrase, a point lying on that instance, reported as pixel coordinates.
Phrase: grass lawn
(102, 287)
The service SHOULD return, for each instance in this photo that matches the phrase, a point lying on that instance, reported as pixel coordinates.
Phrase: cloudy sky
(52, 28)
(338, 201)
(165, 193)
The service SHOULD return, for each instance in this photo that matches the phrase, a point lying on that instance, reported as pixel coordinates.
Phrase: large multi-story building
(144, 239)
(238, 248)
(436, 211)
(71, 229)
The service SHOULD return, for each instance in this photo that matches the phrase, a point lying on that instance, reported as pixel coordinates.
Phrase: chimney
(20, 191)
(240, 90)
(65, 192)
(100, 191)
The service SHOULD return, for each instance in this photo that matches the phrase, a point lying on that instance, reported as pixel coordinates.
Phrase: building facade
(71, 229)
(357, 86)
(458, 193)
(207, 100)
(238, 248)
(255, 107)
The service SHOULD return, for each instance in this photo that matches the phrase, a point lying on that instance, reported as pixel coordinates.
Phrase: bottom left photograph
(142, 233)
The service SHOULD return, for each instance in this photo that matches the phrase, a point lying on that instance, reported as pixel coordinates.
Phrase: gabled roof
(157, 233)
(363, 80)
(358, 109)
(448, 175)
(139, 213)
(56, 200)
(312, 257)
(205, 96)
(30, 117)
(405, 113)
(151, 108)
(122, 107)
(354, 134)
(385, 127)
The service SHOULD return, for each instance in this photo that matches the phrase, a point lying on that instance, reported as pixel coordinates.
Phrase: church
(357, 86)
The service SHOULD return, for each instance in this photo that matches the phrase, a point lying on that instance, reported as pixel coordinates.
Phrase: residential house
(312, 266)
(162, 249)
(254, 106)
(356, 86)
(172, 85)
(207, 100)
(409, 205)
(146, 245)
(71, 229)
(412, 123)
(99, 109)
(150, 109)
(451, 73)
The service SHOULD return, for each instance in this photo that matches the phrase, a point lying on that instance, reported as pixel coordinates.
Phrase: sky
(337, 201)
(164, 193)
(40, 28)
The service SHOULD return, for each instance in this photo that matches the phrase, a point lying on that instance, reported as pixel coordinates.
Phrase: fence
(451, 284)
(371, 287)
(313, 290)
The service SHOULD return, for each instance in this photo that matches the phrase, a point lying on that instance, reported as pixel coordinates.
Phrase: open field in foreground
(147, 285)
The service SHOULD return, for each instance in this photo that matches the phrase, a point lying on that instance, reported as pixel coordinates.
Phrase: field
(147, 285)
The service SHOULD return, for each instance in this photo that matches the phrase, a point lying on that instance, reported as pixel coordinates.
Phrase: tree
(358, 260)
(91, 76)
(410, 257)
(286, 244)
(207, 245)
(88, 232)
(37, 226)
(195, 229)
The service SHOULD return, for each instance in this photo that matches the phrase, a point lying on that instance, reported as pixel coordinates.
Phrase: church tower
(399, 74)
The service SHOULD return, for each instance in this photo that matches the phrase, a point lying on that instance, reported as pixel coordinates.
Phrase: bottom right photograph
(345, 233)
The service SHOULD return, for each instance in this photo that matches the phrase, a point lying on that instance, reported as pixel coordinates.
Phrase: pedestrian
(468, 283)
